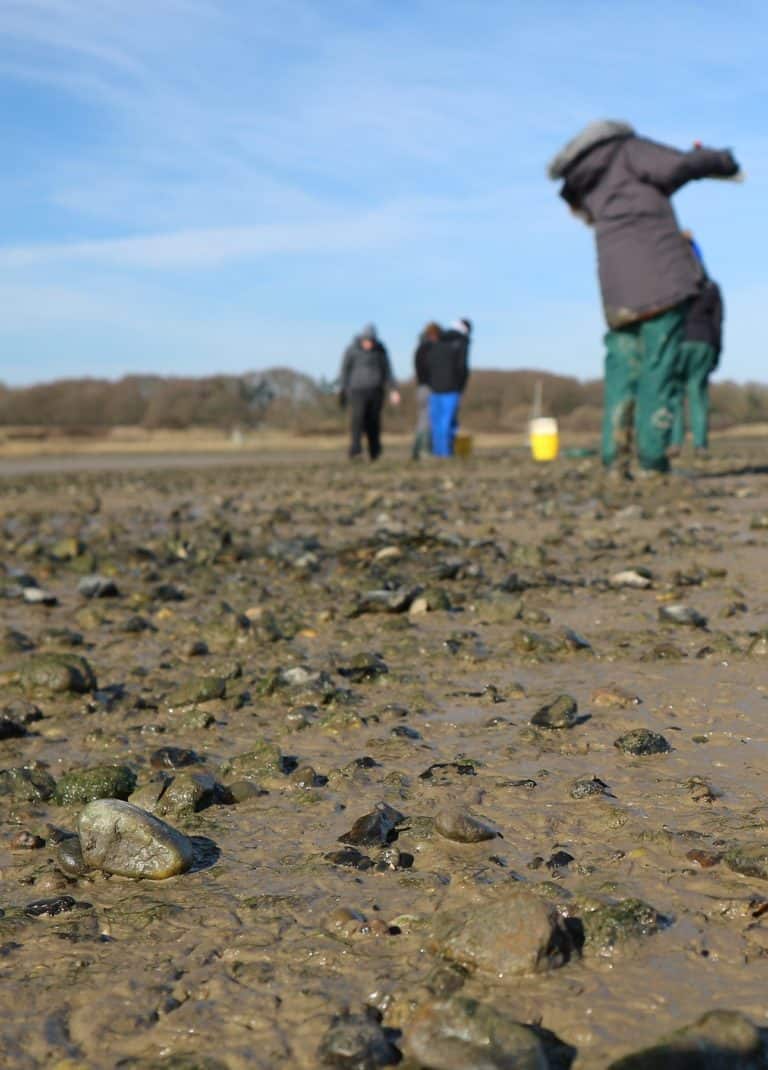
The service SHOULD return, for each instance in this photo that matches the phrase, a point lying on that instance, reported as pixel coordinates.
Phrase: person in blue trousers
(448, 371)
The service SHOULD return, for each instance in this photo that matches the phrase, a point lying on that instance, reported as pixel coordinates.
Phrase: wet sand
(498, 575)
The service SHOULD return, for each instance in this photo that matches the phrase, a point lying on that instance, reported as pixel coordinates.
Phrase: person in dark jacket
(621, 184)
(700, 356)
(448, 371)
(365, 377)
(422, 439)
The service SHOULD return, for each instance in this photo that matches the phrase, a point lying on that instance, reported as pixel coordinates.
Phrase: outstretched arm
(669, 169)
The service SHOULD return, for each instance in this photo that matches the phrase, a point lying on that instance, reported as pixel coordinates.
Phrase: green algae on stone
(200, 690)
(57, 674)
(97, 782)
(641, 742)
(27, 783)
(613, 924)
(751, 860)
(264, 760)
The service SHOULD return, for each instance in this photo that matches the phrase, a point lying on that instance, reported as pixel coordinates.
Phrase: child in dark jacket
(448, 369)
(700, 356)
(621, 184)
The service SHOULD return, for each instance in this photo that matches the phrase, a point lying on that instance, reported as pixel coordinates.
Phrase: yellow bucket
(462, 444)
(543, 437)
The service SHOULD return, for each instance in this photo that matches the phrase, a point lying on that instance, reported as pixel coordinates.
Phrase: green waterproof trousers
(698, 363)
(642, 388)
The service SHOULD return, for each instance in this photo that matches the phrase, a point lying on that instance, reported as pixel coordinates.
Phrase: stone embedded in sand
(358, 1042)
(638, 578)
(719, 1040)
(98, 782)
(750, 859)
(561, 713)
(376, 829)
(57, 674)
(641, 742)
(677, 613)
(463, 827)
(614, 696)
(520, 935)
(98, 587)
(613, 924)
(587, 787)
(119, 838)
(461, 1033)
(27, 783)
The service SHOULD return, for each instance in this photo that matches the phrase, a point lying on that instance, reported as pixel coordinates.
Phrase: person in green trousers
(700, 356)
(621, 185)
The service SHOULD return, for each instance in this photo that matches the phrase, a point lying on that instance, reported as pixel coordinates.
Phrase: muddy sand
(469, 759)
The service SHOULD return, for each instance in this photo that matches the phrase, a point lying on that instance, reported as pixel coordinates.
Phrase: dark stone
(173, 758)
(588, 786)
(11, 729)
(641, 742)
(719, 1040)
(349, 857)
(561, 713)
(27, 783)
(68, 856)
(375, 829)
(615, 923)
(60, 904)
(358, 1042)
(364, 667)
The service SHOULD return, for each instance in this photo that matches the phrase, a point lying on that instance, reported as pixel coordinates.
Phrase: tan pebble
(419, 606)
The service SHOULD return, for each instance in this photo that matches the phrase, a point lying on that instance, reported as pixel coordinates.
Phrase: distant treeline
(281, 398)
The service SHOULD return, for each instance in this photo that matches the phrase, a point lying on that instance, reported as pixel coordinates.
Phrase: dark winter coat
(704, 321)
(365, 369)
(623, 184)
(448, 363)
(421, 362)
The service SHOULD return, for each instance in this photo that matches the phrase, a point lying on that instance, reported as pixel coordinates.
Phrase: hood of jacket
(597, 133)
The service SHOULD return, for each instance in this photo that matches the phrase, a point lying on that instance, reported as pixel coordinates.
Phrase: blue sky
(198, 186)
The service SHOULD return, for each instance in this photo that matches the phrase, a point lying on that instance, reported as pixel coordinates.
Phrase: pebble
(375, 829)
(25, 841)
(677, 613)
(719, 1040)
(463, 827)
(59, 904)
(358, 1041)
(517, 935)
(635, 578)
(613, 696)
(98, 587)
(641, 742)
(561, 713)
(122, 839)
(464, 1034)
(68, 856)
(587, 787)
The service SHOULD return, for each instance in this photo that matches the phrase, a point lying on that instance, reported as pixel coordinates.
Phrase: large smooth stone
(463, 1034)
(119, 838)
(520, 935)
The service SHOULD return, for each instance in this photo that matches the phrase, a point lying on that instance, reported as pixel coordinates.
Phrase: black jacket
(448, 363)
(704, 322)
(421, 362)
(623, 184)
(365, 369)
